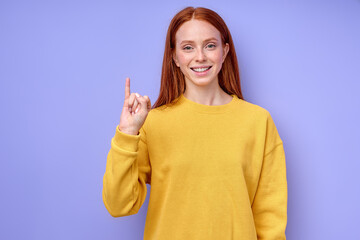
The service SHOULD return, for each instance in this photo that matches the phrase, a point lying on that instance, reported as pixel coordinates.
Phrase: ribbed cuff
(126, 141)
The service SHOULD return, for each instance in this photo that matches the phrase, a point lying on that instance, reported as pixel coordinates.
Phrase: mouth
(201, 69)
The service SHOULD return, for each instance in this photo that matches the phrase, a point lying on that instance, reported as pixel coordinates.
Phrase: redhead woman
(215, 162)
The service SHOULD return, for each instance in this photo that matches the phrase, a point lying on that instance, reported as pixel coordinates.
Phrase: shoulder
(155, 115)
(163, 111)
(257, 117)
(252, 110)
(261, 119)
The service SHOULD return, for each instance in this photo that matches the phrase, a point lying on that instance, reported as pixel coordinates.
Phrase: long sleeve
(270, 202)
(127, 171)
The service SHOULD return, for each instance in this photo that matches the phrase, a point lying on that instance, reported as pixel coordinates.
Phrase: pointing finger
(127, 88)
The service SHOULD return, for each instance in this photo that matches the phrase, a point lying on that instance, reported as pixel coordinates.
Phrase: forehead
(196, 30)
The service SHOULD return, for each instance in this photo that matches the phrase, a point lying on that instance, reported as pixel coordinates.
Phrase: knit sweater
(216, 172)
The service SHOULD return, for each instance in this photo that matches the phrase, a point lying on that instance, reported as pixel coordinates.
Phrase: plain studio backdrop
(63, 66)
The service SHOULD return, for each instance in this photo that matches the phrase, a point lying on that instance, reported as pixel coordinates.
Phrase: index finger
(127, 88)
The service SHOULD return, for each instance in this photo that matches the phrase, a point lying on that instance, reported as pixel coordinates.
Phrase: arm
(270, 202)
(127, 172)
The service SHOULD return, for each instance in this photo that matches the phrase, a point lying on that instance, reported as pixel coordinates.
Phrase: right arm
(128, 167)
(127, 172)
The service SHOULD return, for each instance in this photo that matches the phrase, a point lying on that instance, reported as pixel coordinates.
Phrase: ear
(226, 50)
(175, 59)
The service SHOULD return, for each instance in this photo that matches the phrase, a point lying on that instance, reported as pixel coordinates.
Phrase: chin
(201, 82)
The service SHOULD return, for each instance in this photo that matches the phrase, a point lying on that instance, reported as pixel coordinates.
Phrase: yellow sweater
(216, 173)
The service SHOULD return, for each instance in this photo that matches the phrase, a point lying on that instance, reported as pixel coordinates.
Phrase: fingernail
(137, 94)
(136, 110)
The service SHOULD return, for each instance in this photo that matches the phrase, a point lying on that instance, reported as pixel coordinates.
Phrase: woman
(215, 162)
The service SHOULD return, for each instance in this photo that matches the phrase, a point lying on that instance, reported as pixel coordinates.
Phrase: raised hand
(134, 112)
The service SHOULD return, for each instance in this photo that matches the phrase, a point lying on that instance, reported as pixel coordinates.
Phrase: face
(199, 52)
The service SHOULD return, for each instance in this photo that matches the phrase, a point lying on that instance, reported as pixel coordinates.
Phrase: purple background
(62, 69)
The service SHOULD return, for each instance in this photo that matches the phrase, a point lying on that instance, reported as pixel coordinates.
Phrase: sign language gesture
(134, 112)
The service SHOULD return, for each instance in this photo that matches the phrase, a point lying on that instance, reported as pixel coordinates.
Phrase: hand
(134, 112)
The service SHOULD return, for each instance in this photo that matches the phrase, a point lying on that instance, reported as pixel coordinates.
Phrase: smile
(201, 69)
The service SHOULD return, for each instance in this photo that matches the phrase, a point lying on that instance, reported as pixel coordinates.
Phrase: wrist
(131, 132)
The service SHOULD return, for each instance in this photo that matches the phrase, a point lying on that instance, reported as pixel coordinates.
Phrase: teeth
(200, 69)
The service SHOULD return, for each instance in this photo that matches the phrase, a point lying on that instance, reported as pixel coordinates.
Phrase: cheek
(183, 59)
(217, 56)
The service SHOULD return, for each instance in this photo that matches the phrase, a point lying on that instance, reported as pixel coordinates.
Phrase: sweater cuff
(127, 142)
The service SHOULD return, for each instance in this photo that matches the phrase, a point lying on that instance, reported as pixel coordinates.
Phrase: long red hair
(172, 79)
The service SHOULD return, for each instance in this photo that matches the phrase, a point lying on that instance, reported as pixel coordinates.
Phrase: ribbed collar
(207, 108)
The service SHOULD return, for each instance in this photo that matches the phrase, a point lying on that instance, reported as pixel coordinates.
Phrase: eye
(211, 45)
(187, 48)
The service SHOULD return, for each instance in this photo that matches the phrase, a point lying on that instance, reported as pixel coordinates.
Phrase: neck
(207, 96)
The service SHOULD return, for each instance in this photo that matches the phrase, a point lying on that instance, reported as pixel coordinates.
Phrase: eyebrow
(206, 40)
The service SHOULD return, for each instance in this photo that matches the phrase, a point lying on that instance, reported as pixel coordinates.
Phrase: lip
(199, 74)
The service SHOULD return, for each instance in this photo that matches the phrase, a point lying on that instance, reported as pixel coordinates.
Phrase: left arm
(270, 203)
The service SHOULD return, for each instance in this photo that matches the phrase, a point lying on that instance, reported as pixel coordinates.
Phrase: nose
(200, 55)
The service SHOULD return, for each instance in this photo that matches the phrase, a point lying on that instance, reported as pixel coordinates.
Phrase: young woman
(215, 162)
